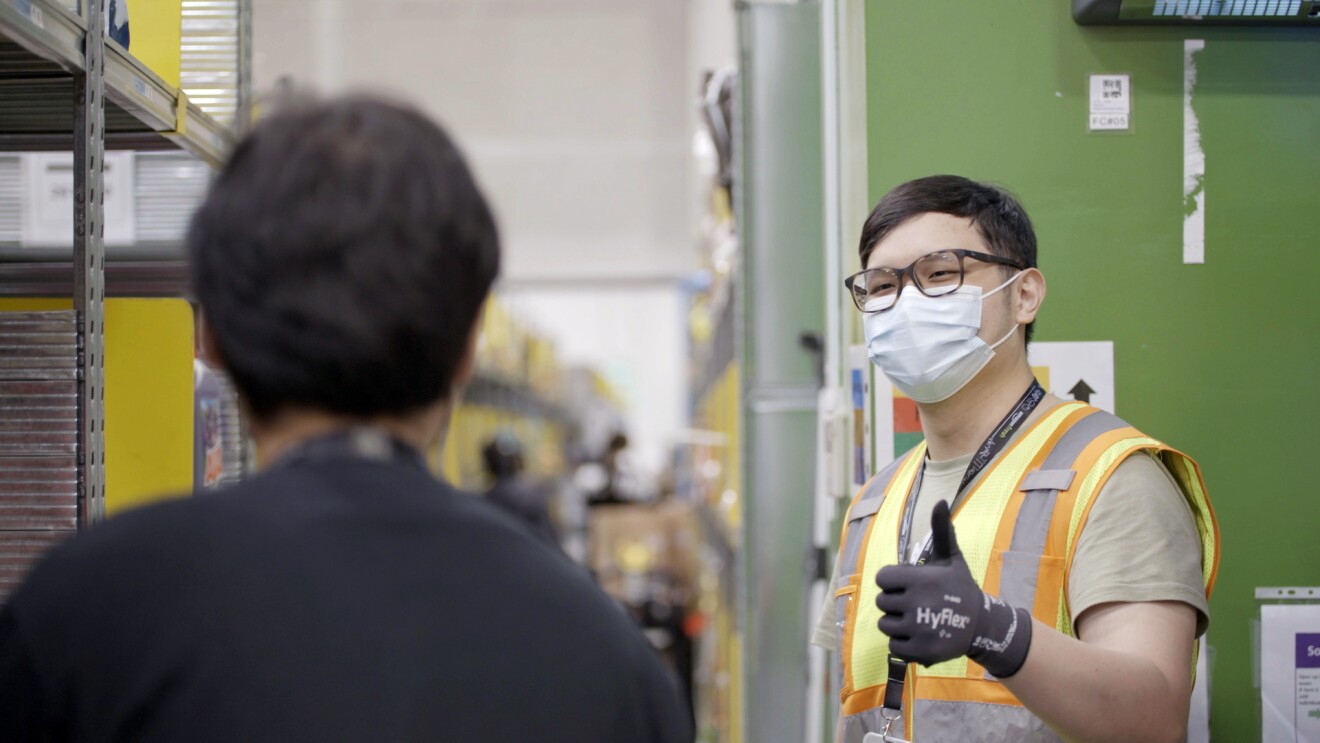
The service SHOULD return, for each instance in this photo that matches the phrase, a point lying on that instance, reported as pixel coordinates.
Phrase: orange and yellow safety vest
(1018, 528)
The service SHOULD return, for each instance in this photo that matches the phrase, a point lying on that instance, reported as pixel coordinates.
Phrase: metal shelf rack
(65, 86)
(44, 53)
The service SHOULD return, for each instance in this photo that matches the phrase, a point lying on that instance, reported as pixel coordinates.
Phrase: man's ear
(1028, 296)
(210, 351)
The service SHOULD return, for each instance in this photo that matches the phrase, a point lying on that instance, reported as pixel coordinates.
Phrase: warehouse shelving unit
(65, 86)
(47, 54)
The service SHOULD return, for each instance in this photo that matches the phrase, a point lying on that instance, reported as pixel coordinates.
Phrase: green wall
(1217, 359)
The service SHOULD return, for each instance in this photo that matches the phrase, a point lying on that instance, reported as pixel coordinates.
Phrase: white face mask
(928, 346)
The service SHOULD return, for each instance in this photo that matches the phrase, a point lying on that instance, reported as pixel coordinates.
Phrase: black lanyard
(994, 443)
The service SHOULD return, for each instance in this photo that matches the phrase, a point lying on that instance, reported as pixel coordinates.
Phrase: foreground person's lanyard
(892, 710)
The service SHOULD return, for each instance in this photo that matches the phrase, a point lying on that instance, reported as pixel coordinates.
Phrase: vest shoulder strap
(865, 505)
(872, 494)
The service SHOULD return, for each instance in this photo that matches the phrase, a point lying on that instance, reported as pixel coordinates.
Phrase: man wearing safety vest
(1036, 569)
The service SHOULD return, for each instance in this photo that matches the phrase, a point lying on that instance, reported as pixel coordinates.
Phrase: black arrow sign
(1081, 391)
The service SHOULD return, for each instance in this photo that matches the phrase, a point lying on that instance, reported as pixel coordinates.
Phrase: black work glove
(936, 611)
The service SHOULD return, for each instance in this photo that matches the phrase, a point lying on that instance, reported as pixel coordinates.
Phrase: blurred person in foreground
(343, 594)
(510, 489)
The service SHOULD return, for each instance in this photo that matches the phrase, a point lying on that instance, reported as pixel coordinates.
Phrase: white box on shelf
(48, 202)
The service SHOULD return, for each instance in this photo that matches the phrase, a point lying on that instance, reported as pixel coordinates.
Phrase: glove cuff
(1003, 638)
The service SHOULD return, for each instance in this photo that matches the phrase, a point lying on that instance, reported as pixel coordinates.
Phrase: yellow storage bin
(156, 28)
(148, 396)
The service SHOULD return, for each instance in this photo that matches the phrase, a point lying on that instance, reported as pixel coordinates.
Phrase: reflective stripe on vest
(1018, 528)
(856, 530)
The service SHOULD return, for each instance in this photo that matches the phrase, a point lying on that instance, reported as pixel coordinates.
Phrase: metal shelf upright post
(89, 267)
(65, 86)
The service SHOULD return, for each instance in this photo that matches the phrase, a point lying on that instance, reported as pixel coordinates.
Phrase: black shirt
(339, 600)
(527, 503)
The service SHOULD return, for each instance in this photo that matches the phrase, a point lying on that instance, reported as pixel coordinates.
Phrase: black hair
(503, 456)
(997, 215)
(341, 259)
(618, 442)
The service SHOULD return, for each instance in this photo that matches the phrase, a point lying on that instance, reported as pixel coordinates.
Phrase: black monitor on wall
(1198, 12)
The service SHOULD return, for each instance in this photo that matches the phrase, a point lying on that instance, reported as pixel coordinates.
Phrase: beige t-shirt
(1140, 542)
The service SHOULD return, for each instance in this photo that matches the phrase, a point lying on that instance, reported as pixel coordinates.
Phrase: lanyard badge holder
(892, 709)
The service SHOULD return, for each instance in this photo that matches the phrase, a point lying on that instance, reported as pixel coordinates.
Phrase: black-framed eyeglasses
(934, 274)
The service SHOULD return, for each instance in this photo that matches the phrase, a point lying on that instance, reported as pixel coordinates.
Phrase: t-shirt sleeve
(1139, 544)
(20, 695)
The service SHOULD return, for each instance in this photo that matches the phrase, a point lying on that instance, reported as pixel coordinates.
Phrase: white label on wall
(48, 212)
(1111, 103)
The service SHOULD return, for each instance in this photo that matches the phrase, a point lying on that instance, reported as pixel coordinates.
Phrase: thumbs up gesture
(936, 611)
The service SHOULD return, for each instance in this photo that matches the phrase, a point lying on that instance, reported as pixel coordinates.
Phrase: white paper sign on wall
(1111, 103)
(1076, 370)
(1290, 671)
(48, 202)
